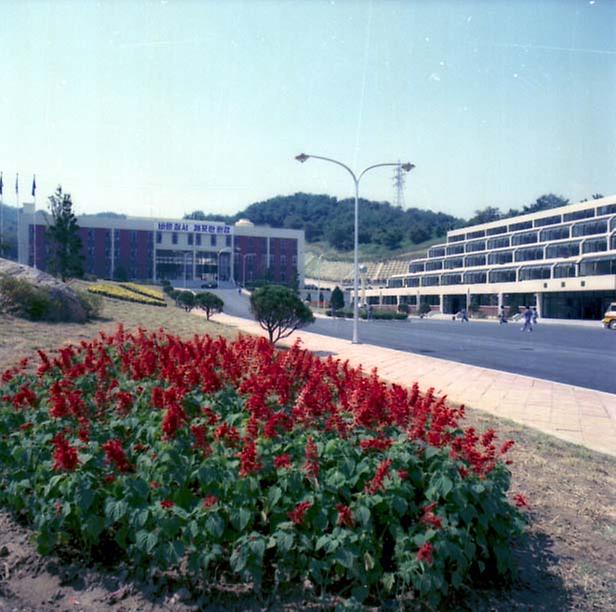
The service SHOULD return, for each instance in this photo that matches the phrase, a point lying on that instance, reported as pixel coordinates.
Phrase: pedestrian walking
(463, 315)
(502, 316)
(527, 316)
(535, 316)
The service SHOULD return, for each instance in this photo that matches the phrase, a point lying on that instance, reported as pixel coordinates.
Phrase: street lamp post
(407, 167)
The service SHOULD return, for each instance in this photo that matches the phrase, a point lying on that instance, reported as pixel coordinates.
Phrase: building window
(394, 283)
(458, 238)
(594, 246)
(564, 249)
(174, 238)
(579, 214)
(548, 221)
(477, 234)
(473, 247)
(456, 249)
(529, 254)
(593, 227)
(564, 270)
(502, 257)
(494, 231)
(294, 261)
(502, 276)
(434, 265)
(475, 260)
(429, 281)
(416, 267)
(613, 247)
(228, 241)
(610, 209)
(213, 240)
(133, 237)
(535, 273)
(526, 238)
(198, 239)
(514, 227)
(598, 266)
(411, 282)
(159, 237)
(555, 233)
(456, 262)
(499, 243)
(283, 261)
(451, 279)
(190, 239)
(436, 252)
(475, 278)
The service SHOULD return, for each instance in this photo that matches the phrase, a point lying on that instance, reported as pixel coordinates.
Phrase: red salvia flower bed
(275, 465)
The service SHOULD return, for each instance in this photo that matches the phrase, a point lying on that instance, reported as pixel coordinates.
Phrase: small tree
(65, 259)
(279, 311)
(186, 299)
(209, 302)
(424, 308)
(337, 299)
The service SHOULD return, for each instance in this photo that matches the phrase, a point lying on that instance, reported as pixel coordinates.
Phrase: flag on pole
(17, 183)
(33, 185)
(1, 184)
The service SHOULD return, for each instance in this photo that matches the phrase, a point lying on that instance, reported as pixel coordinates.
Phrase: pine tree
(65, 258)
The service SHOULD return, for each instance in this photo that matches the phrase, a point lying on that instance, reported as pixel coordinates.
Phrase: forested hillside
(326, 219)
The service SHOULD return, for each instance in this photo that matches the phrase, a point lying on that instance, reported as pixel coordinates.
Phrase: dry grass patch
(569, 557)
(20, 338)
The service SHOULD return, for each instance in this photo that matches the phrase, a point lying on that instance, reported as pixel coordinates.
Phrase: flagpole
(34, 221)
(18, 212)
(1, 217)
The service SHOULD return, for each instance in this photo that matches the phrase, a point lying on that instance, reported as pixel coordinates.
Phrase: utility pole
(398, 181)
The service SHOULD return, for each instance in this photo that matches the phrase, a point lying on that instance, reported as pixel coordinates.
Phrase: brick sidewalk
(575, 414)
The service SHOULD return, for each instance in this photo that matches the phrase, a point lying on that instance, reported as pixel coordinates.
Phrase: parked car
(209, 285)
(609, 318)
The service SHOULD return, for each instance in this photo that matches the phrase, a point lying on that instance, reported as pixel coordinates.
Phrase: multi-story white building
(563, 261)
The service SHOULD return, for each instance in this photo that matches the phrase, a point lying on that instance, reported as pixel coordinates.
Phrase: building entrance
(453, 303)
(588, 305)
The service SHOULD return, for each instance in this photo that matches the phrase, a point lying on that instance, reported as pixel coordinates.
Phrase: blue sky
(164, 107)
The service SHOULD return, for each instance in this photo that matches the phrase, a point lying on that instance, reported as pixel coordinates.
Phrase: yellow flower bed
(118, 292)
(141, 290)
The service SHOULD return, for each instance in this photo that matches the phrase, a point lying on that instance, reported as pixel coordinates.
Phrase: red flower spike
(282, 461)
(167, 503)
(297, 515)
(114, 453)
(520, 501)
(425, 553)
(64, 455)
(209, 501)
(345, 516)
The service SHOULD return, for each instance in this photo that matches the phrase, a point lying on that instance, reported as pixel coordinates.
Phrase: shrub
(91, 303)
(186, 299)
(209, 302)
(403, 308)
(424, 308)
(274, 466)
(23, 299)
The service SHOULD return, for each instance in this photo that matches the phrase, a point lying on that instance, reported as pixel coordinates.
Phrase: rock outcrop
(66, 305)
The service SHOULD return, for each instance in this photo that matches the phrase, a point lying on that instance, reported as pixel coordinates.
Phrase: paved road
(582, 356)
